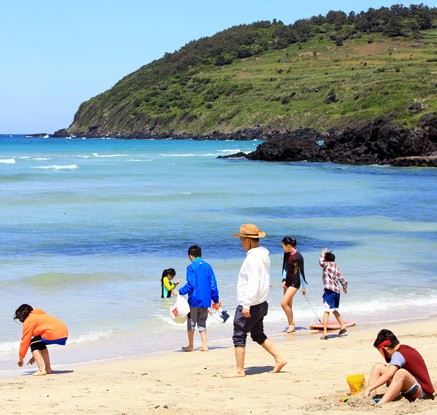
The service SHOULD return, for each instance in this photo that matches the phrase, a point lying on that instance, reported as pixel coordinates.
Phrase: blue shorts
(331, 300)
(38, 343)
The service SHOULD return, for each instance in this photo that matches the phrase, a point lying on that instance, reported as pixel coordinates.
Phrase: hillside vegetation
(325, 72)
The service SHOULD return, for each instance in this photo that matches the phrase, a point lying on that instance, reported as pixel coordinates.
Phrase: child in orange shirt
(39, 330)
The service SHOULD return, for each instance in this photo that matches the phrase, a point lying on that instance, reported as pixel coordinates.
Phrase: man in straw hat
(252, 290)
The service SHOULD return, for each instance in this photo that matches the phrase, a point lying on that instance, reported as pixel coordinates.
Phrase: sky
(54, 54)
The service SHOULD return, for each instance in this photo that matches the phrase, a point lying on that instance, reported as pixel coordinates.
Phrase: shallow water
(89, 225)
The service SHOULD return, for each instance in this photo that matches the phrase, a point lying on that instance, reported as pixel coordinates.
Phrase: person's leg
(377, 370)
(190, 347)
(401, 382)
(240, 353)
(37, 358)
(203, 337)
(287, 306)
(258, 313)
(39, 355)
(279, 361)
(202, 316)
(191, 325)
(338, 317)
(46, 357)
(325, 324)
(239, 339)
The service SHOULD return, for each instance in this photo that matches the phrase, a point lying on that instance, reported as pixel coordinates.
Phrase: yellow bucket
(356, 383)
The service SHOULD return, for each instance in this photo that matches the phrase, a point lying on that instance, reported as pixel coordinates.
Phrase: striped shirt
(332, 277)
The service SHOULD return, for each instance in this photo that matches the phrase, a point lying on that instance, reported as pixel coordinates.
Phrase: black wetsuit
(294, 265)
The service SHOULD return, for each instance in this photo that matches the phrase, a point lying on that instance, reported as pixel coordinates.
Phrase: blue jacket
(201, 285)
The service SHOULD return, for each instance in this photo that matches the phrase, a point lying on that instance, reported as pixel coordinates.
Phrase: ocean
(88, 225)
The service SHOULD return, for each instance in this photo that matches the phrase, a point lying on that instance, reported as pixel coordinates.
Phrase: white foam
(9, 346)
(108, 155)
(91, 337)
(178, 155)
(57, 167)
(7, 161)
(230, 151)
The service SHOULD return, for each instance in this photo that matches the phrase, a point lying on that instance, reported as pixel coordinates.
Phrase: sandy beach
(312, 382)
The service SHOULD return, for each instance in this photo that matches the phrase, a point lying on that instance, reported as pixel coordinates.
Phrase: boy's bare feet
(278, 366)
(204, 349)
(40, 373)
(187, 349)
(235, 375)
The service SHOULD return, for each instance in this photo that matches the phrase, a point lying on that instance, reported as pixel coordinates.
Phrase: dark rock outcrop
(61, 133)
(380, 142)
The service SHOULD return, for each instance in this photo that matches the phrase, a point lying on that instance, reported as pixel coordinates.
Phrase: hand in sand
(366, 393)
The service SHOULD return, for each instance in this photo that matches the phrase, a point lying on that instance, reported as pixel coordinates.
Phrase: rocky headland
(380, 142)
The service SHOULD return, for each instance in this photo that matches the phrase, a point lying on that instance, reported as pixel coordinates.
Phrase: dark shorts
(331, 300)
(38, 343)
(414, 392)
(253, 325)
(294, 281)
(197, 317)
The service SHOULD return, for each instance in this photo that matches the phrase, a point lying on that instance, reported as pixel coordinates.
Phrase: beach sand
(312, 382)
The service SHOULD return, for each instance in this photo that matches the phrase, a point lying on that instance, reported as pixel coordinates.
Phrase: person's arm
(25, 342)
(322, 262)
(168, 285)
(303, 280)
(383, 379)
(251, 272)
(214, 288)
(343, 282)
(188, 288)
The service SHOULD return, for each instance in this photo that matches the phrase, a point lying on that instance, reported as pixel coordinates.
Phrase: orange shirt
(38, 323)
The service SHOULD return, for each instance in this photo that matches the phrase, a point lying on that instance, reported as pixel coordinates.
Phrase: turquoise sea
(88, 225)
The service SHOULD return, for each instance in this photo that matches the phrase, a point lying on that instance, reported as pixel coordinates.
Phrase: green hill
(328, 71)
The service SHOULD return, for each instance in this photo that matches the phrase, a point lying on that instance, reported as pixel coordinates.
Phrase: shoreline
(312, 382)
(303, 333)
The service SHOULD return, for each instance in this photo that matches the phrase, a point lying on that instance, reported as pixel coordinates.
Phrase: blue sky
(56, 54)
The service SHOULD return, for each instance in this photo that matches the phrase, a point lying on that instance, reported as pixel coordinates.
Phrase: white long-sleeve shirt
(253, 285)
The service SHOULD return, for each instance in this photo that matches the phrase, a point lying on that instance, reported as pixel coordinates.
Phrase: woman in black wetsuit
(293, 276)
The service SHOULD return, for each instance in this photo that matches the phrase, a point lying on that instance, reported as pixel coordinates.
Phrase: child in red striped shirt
(332, 279)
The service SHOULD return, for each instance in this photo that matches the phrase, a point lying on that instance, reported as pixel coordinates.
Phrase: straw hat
(248, 230)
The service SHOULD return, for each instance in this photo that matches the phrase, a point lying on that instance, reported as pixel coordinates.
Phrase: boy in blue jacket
(201, 287)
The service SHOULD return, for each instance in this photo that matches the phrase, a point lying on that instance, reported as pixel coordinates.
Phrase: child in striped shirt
(332, 279)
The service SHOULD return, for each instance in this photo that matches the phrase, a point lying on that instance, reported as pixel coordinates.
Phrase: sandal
(324, 338)
(342, 331)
